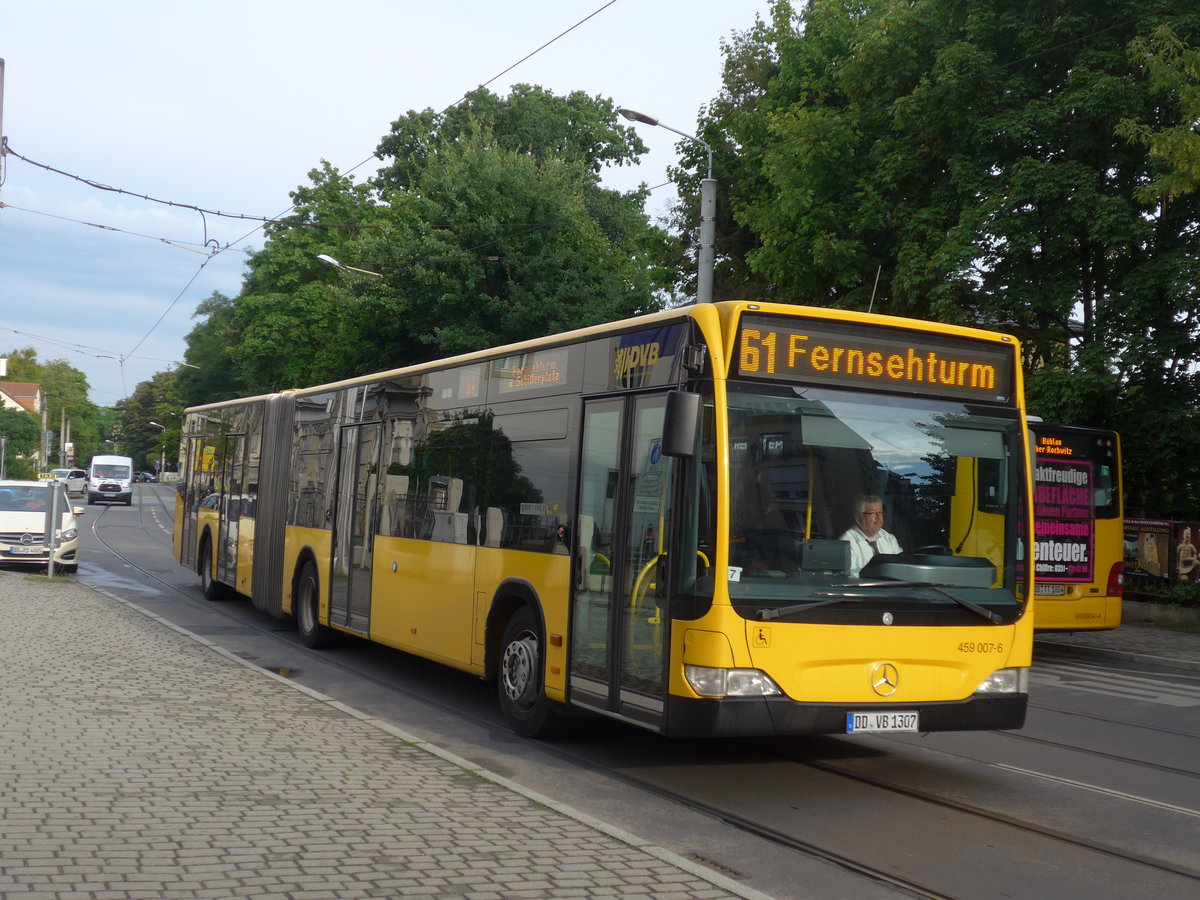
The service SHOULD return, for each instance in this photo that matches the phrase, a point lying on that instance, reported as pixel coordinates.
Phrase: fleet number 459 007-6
(980, 647)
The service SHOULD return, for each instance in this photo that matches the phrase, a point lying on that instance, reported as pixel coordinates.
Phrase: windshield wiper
(992, 617)
(801, 607)
(833, 598)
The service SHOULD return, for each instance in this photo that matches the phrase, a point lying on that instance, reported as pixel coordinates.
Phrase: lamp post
(707, 257)
(162, 458)
(330, 261)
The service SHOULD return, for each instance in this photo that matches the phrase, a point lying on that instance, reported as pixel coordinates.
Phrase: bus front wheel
(519, 680)
(308, 609)
(209, 586)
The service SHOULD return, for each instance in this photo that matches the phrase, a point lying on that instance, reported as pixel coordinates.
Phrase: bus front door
(354, 531)
(191, 502)
(619, 625)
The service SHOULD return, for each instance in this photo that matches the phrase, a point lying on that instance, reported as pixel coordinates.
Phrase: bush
(1159, 590)
(1180, 595)
(21, 469)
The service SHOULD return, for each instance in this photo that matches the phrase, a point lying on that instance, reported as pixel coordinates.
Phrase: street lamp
(330, 261)
(707, 256)
(162, 458)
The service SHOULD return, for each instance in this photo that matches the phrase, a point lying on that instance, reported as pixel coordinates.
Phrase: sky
(229, 105)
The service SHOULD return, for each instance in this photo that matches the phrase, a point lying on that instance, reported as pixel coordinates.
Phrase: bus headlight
(69, 535)
(710, 682)
(1005, 681)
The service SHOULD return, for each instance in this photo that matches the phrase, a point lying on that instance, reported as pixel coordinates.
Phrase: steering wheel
(934, 550)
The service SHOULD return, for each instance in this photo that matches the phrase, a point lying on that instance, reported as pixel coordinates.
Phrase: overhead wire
(180, 244)
(100, 186)
(84, 349)
(359, 165)
(263, 220)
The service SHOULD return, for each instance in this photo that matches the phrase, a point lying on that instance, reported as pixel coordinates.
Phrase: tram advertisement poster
(1063, 522)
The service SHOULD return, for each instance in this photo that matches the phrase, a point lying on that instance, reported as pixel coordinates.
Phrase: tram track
(861, 868)
(1103, 754)
(716, 812)
(1108, 720)
(1083, 843)
(731, 819)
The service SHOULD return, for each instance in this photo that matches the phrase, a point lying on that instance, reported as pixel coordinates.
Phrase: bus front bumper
(764, 716)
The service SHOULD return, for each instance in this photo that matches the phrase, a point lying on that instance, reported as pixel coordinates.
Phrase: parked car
(74, 479)
(23, 524)
(145, 477)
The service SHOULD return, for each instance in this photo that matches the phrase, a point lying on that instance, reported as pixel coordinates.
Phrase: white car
(23, 524)
(74, 479)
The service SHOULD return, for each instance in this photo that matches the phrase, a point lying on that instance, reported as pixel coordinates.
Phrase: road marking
(1110, 683)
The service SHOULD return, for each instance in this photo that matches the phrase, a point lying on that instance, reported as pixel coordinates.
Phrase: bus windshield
(811, 470)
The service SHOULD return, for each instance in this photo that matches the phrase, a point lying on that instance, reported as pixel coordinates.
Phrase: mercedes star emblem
(885, 678)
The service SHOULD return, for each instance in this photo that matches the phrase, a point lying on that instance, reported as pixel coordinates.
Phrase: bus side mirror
(680, 424)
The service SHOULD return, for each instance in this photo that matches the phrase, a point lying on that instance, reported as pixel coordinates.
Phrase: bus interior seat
(494, 526)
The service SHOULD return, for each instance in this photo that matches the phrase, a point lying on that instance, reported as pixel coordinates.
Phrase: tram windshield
(844, 504)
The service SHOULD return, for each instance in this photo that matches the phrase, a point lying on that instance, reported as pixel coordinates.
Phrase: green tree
(296, 321)
(20, 449)
(65, 394)
(1172, 68)
(210, 374)
(151, 402)
(993, 162)
(488, 225)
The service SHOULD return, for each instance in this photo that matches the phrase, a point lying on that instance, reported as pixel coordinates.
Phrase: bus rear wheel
(307, 610)
(519, 679)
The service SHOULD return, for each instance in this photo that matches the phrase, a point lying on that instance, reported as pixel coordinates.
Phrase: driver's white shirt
(860, 549)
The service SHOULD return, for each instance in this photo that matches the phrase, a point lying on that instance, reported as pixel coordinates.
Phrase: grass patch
(53, 579)
(1193, 628)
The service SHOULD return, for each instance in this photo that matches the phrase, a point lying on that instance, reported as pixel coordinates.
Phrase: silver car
(74, 479)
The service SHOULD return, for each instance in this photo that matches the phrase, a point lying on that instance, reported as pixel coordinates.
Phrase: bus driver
(867, 537)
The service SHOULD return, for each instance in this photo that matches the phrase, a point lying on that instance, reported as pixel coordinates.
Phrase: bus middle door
(232, 492)
(354, 529)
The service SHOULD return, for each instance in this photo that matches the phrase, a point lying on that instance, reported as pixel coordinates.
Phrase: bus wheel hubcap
(520, 659)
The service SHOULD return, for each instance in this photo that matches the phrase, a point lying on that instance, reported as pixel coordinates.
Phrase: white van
(111, 478)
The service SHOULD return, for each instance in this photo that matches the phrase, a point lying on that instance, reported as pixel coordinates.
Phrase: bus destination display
(863, 356)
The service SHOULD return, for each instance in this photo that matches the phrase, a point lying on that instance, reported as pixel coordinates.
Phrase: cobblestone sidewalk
(143, 762)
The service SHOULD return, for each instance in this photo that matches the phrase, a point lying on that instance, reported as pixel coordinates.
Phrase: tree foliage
(65, 392)
(210, 374)
(149, 422)
(488, 224)
(1028, 166)
(21, 431)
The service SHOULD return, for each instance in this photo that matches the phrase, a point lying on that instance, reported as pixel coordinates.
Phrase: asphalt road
(1098, 796)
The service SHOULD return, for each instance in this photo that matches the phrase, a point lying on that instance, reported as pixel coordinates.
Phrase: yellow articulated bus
(1079, 549)
(654, 520)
